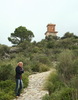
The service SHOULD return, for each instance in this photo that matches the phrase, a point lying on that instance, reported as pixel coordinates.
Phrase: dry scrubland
(39, 57)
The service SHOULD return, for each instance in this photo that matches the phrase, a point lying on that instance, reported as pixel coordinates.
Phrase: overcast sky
(35, 15)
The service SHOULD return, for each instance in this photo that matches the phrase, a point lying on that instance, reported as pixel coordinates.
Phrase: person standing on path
(19, 84)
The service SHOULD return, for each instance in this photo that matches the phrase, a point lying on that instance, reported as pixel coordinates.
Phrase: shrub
(74, 82)
(25, 79)
(41, 58)
(75, 66)
(27, 68)
(65, 66)
(75, 52)
(8, 84)
(6, 96)
(22, 58)
(43, 68)
(39, 67)
(44, 60)
(67, 94)
(46, 97)
(35, 66)
(36, 49)
(7, 89)
(53, 84)
(51, 44)
(6, 72)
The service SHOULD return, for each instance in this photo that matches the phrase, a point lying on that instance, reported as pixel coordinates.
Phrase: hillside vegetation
(39, 57)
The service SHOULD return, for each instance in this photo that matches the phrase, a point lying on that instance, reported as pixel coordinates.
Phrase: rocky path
(35, 89)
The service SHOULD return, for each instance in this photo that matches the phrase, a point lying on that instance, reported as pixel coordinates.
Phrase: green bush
(46, 97)
(41, 58)
(22, 58)
(7, 87)
(5, 96)
(6, 72)
(75, 53)
(53, 83)
(35, 66)
(75, 66)
(39, 67)
(44, 60)
(8, 84)
(27, 68)
(63, 84)
(74, 82)
(65, 93)
(43, 68)
(51, 44)
(65, 66)
(25, 79)
(7, 90)
(36, 49)
(68, 94)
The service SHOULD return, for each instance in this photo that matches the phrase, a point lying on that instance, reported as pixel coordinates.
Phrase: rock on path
(35, 89)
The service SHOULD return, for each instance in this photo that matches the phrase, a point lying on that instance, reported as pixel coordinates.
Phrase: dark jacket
(19, 72)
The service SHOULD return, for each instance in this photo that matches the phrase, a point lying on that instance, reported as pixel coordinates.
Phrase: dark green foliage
(50, 38)
(20, 35)
(75, 53)
(42, 58)
(43, 68)
(53, 84)
(7, 90)
(63, 84)
(63, 94)
(8, 84)
(39, 67)
(74, 82)
(25, 79)
(75, 66)
(51, 44)
(68, 35)
(35, 66)
(24, 45)
(46, 97)
(65, 66)
(6, 72)
(4, 96)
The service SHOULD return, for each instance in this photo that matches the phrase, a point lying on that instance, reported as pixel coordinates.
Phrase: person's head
(20, 64)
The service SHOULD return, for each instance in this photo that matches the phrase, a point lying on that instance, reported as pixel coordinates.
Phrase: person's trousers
(19, 86)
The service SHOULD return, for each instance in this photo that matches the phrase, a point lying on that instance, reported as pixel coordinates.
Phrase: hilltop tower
(51, 30)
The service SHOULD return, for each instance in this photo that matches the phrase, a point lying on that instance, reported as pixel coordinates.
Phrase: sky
(35, 15)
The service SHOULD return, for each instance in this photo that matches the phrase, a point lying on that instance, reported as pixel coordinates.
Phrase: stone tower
(51, 30)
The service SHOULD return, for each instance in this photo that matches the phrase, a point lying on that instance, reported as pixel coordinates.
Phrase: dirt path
(35, 89)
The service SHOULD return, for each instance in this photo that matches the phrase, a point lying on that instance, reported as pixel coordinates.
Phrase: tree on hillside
(21, 34)
(68, 35)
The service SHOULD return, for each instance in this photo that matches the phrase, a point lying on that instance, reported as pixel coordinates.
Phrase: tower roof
(51, 25)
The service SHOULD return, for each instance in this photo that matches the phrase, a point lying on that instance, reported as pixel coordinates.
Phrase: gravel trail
(35, 90)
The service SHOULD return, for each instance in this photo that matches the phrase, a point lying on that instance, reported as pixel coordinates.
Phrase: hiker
(19, 84)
